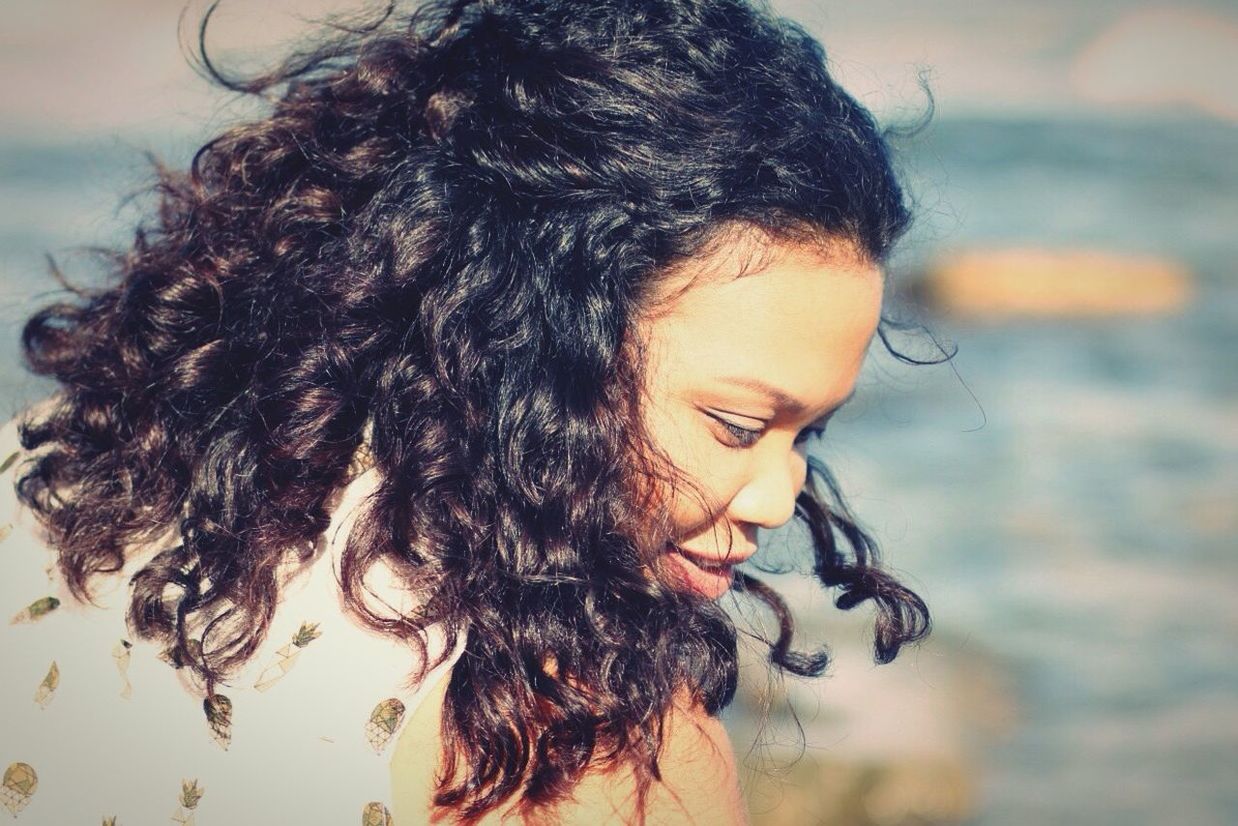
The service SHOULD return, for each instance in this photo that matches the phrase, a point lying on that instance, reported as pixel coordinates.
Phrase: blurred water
(1077, 516)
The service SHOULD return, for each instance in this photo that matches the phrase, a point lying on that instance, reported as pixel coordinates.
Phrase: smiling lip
(709, 576)
(712, 559)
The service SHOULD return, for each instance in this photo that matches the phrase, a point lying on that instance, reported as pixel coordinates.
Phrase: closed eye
(747, 437)
(744, 436)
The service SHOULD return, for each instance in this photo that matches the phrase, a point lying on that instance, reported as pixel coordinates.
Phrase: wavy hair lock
(433, 248)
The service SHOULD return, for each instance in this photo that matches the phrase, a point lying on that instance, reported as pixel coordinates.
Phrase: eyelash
(748, 437)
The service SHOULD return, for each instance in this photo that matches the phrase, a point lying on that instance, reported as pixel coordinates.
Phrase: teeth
(705, 565)
(711, 567)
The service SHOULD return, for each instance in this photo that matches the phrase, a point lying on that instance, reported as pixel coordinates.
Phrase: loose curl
(433, 249)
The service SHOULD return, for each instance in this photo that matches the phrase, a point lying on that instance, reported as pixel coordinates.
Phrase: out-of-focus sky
(75, 67)
(1050, 57)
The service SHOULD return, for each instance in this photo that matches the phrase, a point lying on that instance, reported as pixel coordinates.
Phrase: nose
(767, 500)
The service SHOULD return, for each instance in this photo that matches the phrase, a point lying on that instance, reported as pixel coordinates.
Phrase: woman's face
(739, 372)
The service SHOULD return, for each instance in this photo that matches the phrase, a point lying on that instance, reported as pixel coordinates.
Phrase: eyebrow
(781, 398)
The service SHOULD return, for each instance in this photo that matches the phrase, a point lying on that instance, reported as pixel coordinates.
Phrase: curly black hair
(433, 247)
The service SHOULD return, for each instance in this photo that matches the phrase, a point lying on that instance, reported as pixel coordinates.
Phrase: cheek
(702, 498)
(704, 482)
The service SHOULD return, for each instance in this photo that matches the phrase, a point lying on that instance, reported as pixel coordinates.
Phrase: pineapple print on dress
(286, 656)
(35, 611)
(375, 814)
(7, 527)
(190, 795)
(47, 689)
(218, 710)
(384, 720)
(20, 783)
(121, 653)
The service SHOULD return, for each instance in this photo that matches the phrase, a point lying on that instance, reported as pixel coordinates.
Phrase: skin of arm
(699, 785)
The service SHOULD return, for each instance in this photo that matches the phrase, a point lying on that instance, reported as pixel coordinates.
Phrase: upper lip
(735, 557)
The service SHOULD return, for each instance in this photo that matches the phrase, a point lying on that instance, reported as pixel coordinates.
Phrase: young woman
(399, 471)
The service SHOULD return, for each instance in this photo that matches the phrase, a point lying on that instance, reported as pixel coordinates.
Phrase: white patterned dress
(96, 727)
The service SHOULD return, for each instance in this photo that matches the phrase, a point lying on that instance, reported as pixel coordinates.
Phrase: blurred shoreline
(866, 744)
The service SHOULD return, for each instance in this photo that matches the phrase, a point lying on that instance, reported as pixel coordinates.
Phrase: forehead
(797, 318)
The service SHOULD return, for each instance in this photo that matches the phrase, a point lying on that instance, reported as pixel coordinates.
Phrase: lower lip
(711, 582)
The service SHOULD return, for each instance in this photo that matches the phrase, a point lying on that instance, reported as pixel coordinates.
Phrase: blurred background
(1063, 493)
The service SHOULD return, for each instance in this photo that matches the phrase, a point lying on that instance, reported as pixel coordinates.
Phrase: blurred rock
(830, 792)
(1043, 283)
(1211, 514)
(867, 745)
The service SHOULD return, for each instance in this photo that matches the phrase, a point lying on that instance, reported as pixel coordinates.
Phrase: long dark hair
(433, 248)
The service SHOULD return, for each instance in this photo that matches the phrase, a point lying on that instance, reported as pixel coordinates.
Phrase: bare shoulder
(699, 783)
